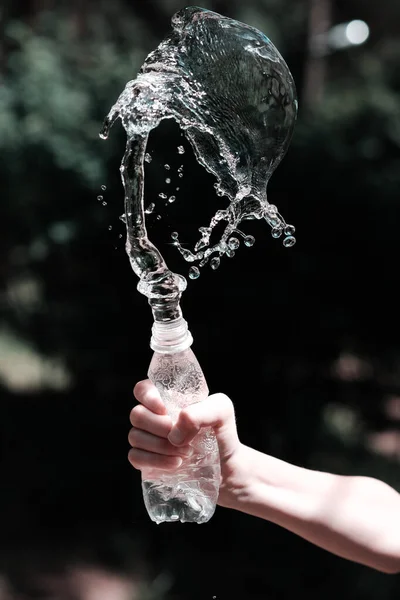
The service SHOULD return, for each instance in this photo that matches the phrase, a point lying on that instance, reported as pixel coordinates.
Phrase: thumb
(217, 412)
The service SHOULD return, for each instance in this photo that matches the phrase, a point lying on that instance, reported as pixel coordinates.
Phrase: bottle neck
(170, 337)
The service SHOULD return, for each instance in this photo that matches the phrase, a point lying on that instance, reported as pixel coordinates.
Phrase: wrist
(272, 489)
(239, 479)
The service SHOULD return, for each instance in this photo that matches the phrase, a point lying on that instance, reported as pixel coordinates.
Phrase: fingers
(151, 451)
(143, 418)
(152, 443)
(147, 394)
(148, 436)
(216, 411)
(157, 443)
(140, 459)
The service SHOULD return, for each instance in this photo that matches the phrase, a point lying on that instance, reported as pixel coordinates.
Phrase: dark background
(304, 340)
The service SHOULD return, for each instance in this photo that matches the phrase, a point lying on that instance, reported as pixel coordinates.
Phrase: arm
(357, 518)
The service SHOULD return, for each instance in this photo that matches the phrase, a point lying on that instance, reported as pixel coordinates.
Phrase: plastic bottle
(188, 494)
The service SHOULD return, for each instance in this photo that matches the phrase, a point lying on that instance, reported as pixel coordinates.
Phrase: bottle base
(182, 502)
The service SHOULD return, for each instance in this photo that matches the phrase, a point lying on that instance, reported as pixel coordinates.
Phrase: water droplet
(123, 218)
(174, 235)
(276, 232)
(150, 208)
(104, 187)
(147, 157)
(289, 230)
(109, 227)
(120, 236)
(162, 195)
(249, 241)
(168, 180)
(215, 262)
(233, 243)
(180, 175)
(104, 203)
(99, 198)
(194, 273)
(171, 199)
(275, 222)
(289, 241)
(158, 217)
(181, 150)
(167, 167)
(216, 185)
(230, 253)
(177, 189)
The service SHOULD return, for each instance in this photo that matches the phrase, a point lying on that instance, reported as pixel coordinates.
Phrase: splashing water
(232, 94)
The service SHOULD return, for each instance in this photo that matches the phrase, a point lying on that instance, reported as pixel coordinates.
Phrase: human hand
(303, 501)
(158, 443)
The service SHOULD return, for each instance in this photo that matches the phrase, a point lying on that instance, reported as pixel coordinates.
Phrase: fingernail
(176, 436)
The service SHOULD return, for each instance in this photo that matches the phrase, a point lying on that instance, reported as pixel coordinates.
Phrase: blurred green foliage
(58, 84)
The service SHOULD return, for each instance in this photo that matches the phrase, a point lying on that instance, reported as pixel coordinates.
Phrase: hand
(157, 443)
(353, 517)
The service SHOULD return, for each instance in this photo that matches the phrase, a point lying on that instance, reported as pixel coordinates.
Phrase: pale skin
(357, 518)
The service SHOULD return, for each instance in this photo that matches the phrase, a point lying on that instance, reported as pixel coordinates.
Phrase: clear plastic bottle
(190, 493)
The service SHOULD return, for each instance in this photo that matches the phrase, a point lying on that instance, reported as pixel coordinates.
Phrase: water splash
(232, 94)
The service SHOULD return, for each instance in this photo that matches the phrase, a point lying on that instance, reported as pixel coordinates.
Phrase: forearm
(357, 518)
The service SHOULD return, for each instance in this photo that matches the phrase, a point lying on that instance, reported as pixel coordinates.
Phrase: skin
(357, 518)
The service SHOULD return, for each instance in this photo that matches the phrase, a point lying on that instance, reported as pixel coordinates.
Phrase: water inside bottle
(189, 496)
